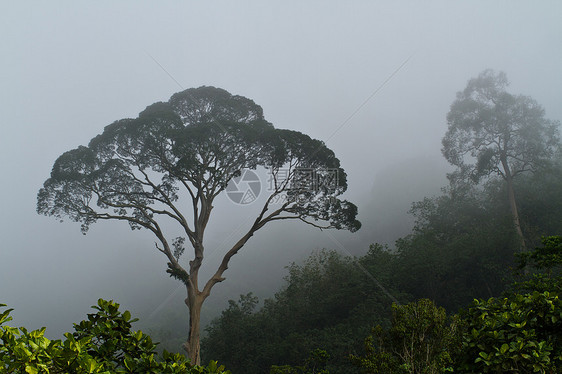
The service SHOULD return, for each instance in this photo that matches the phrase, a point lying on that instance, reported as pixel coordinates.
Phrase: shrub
(516, 334)
(421, 340)
(104, 343)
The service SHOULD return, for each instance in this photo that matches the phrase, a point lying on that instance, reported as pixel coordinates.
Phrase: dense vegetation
(518, 331)
(328, 302)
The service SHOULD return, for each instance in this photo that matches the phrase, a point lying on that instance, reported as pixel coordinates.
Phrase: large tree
(493, 132)
(169, 165)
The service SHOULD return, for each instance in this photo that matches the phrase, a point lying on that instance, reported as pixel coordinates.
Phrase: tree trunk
(194, 302)
(515, 213)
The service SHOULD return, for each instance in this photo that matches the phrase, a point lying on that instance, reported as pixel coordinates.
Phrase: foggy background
(69, 70)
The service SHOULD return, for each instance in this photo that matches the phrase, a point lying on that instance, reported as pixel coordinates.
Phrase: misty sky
(69, 70)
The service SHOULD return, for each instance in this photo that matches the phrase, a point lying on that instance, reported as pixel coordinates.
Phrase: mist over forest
(373, 81)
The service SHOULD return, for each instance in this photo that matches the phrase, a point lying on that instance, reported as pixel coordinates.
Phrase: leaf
(127, 316)
(504, 348)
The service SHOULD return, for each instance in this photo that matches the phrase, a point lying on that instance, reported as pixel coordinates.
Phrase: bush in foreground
(521, 333)
(104, 343)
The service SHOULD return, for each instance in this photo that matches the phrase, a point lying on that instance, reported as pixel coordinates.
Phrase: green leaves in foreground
(104, 343)
(516, 334)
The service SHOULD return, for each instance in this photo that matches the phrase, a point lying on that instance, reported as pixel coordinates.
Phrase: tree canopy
(198, 141)
(492, 132)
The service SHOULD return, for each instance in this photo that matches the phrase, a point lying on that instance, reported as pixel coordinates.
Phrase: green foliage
(520, 333)
(421, 340)
(540, 202)
(236, 337)
(104, 343)
(544, 258)
(516, 334)
(328, 301)
(315, 364)
(461, 248)
(545, 265)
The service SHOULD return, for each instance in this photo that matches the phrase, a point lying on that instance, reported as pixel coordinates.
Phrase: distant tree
(169, 165)
(422, 340)
(461, 248)
(314, 364)
(540, 202)
(545, 264)
(492, 132)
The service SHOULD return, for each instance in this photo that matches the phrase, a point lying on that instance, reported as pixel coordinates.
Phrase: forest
(473, 288)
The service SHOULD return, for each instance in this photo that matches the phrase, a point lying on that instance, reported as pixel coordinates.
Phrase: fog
(374, 80)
